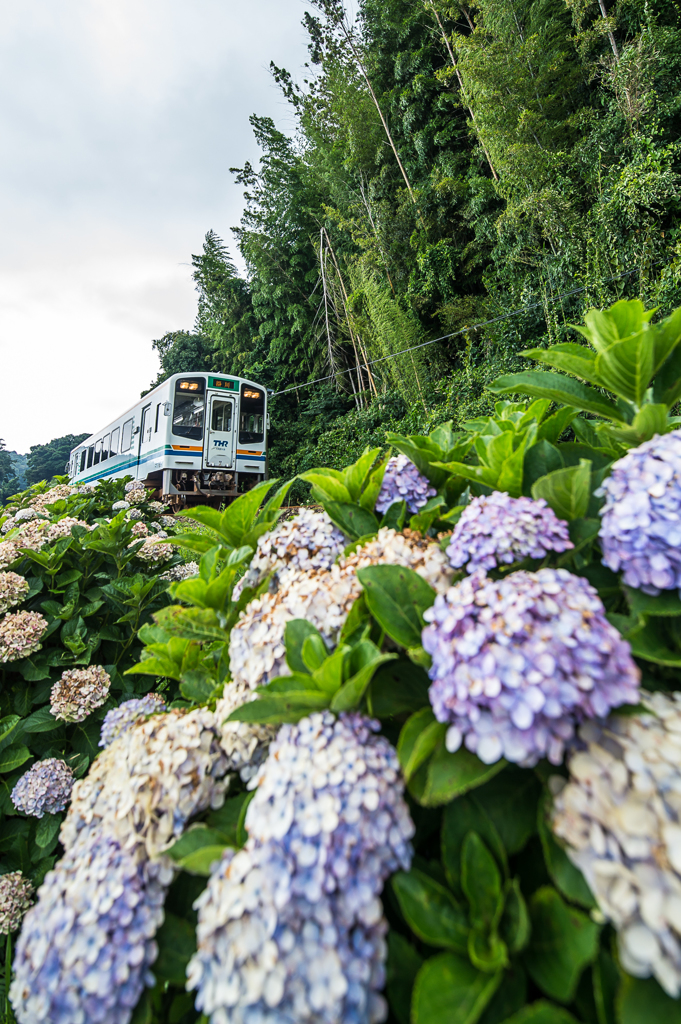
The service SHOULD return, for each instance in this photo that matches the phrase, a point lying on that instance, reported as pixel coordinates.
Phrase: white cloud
(119, 124)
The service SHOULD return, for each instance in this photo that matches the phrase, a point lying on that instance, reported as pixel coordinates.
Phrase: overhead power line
(454, 334)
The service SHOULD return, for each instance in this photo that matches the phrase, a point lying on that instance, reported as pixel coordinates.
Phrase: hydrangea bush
(414, 757)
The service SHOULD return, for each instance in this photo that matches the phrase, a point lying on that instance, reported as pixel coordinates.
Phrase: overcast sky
(119, 120)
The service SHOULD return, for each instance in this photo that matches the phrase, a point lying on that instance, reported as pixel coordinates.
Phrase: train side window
(83, 456)
(126, 441)
(158, 414)
(98, 451)
(115, 434)
(90, 455)
(105, 447)
(222, 416)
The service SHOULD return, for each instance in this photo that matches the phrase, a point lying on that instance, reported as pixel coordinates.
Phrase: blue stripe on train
(132, 463)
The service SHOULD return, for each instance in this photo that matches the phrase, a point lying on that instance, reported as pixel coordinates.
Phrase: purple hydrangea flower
(403, 482)
(119, 719)
(291, 927)
(498, 529)
(100, 906)
(641, 520)
(517, 663)
(86, 947)
(44, 789)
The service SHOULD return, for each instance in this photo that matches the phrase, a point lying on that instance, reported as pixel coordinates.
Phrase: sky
(119, 121)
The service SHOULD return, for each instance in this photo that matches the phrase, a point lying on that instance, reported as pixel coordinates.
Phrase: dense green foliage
(452, 164)
(46, 461)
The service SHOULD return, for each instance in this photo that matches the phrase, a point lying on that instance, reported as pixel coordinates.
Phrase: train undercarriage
(183, 488)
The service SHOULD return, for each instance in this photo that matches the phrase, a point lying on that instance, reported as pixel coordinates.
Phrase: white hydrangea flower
(138, 494)
(118, 506)
(63, 527)
(13, 590)
(324, 597)
(306, 542)
(620, 815)
(140, 530)
(79, 692)
(181, 572)
(153, 552)
(20, 635)
(9, 553)
(245, 743)
(157, 506)
(41, 501)
(16, 896)
(134, 513)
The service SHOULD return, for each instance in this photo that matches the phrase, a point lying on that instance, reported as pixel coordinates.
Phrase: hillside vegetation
(506, 164)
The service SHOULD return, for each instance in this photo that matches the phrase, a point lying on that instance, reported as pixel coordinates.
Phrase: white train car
(197, 436)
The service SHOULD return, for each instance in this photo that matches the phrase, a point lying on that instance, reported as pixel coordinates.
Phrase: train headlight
(188, 385)
(248, 393)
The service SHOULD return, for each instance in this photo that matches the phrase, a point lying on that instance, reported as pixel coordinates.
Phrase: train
(197, 438)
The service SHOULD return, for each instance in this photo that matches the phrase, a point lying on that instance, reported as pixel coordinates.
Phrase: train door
(146, 443)
(218, 452)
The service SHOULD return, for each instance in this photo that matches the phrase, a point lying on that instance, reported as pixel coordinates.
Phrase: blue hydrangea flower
(517, 663)
(403, 482)
(86, 947)
(85, 950)
(119, 719)
(44, 789)
(291, 927)
(497, 529)
(641, 519)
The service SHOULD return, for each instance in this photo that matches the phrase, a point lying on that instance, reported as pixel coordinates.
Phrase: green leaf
(353, 520)
(508, 998)
(397, 597)
(651, 642)
(448, 988)
(642, 1001)
(176, 939)
(13, 757)
(351, 693)
(355, 476)
(542, 458)
(237, 519)
(200, 861)
(559, 389)
(47, 829)
(450, 775)
(568, 879)
(515, 922)
(7, 728)
(397, 689)
(481, 883)
(542, 1012)
(296, 633)
(315, 653)
(626, 366)
(197, 686)
(569, 357)
(226, 819)
(563, 942)
(430, 910)
(195, 838)
(665, 604)
(402, 967)
(328, 484)
(461, 816)
(411, 730)
(567, 491)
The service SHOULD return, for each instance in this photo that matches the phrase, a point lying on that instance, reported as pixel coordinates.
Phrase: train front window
(221, 419)
(190, 402)
(252, 421)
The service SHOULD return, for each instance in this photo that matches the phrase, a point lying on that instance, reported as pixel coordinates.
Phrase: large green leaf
(430, 910)
(560, 389)
(668, 603)
(626, 367)
(402, 967)
(397, 598)
(449, 989)
(353, 520)
(568, 879)
(13, 757)
(566, 491)
(460, 817)
(642, 1001)
(481, 883)
(542, 1012)
(510, 801)
(398, 689)
(569, 357)
(563, 942)
(450, 775)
